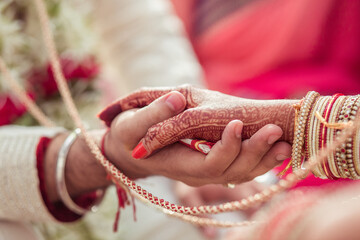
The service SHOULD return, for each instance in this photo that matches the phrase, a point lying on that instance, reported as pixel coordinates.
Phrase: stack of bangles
(318, 122)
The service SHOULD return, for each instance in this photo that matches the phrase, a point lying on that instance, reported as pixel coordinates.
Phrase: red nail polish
(139, 151)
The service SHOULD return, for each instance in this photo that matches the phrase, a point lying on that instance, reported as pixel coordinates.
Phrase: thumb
(137, 99)
(161, 109)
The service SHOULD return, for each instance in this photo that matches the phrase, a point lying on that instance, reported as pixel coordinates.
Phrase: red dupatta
(280, 48)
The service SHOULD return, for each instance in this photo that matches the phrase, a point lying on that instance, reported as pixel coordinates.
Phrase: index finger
(137, 99)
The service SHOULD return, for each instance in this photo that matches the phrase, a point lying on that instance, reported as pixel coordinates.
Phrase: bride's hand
(230, 159)
(205, 117)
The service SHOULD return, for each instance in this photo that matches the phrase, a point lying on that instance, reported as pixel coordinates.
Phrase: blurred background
(264, 49)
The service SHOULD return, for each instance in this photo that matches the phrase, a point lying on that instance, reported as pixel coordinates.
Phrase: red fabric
(275, 49)
(198, 145)
(280, 49)
(58, 209)
(10, 109)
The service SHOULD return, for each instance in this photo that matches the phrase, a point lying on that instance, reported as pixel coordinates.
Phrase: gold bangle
(320, 166)
(314, 139)
(332, 134)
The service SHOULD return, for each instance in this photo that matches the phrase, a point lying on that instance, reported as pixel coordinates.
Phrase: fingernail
(281, 157)
(139, 151)
(272, 139)
(175, 102)
(238, 130)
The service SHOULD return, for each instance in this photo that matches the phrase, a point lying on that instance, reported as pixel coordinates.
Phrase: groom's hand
(230, 160)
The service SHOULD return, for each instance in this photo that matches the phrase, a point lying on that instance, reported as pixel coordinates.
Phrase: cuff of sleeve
(58, 209)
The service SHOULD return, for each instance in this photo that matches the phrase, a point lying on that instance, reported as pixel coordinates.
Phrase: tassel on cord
(297, 107)
(123, 201)
(330, 125)
(280, 174)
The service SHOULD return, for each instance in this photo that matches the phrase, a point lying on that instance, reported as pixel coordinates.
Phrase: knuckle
(153, 134)
(185, 89)
(212, 171)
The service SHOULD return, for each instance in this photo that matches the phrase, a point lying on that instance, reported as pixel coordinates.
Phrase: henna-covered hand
(230, 159)
(205, 116)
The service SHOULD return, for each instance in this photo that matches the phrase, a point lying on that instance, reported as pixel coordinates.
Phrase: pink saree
(271, 49)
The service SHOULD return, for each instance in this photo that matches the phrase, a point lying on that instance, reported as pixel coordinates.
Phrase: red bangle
(323, 134)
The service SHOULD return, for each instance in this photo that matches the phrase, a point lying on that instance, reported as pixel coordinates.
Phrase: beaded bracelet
(350, 144)
(300, 125)
(341, 153)
(356, 142)
(348, 113)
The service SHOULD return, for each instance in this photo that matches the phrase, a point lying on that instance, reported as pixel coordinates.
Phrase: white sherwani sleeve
(21, 198)
(143, 44)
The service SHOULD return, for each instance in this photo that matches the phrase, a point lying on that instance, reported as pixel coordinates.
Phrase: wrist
(285, 117)
(82, 172)
(257, 113)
